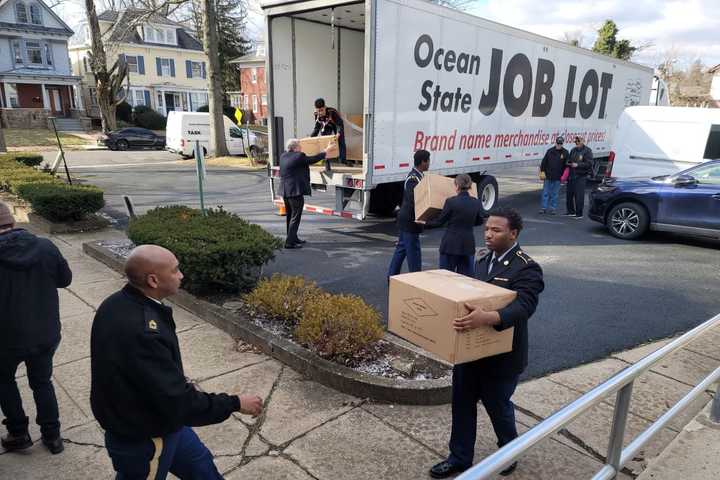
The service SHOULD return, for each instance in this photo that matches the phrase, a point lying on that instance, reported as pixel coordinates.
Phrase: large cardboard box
(423, 306)
(431, 193)
(314, 145)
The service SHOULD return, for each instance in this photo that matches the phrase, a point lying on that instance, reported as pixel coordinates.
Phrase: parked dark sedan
(134, 137)
(687, 202)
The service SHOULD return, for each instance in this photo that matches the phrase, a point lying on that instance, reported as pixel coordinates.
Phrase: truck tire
(488, 192)
(385, 198)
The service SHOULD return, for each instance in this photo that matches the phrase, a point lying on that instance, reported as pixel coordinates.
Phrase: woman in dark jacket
(461, 214)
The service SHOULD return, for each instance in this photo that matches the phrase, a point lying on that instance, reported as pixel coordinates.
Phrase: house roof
(131, 17)
(28, 27)
(249, 59)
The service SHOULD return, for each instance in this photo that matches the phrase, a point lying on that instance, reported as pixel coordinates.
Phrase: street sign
(238, 116)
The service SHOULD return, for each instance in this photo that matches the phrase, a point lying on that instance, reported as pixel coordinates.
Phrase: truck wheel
(385, 198)
(488, 192)
(627, 220)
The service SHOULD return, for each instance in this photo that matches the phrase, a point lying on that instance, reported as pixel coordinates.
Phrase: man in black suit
(493, 379)
(461, 214)
(580, 163)
(294, 184)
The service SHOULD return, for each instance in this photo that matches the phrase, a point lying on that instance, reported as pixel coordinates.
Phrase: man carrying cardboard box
(493, 380)
(408, 244)
(329, 122)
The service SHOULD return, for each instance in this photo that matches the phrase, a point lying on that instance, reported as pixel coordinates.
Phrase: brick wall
(258, 88)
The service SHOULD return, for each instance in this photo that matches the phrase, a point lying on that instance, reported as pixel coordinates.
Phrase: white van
(178, 123)
(653, 141)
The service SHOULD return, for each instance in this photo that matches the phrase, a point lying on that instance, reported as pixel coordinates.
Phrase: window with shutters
(132, 63)
(35, 14)
(165, 67)
(263, 100)
(196, 69)
(34, 53)
(21, 12)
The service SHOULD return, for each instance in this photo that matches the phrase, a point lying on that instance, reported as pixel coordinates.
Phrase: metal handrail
(621, 383)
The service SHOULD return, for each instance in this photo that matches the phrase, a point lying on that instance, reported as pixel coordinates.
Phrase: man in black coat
(294, 184)
(31, 271)
(551, 170)
(408, 244)
(139, 393)
(329, 122)
(461, 214)
(493, 380)
(581, 160)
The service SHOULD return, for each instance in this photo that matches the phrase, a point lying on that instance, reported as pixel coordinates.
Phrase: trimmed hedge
(218, 253)
(283, 297)
(123, 112)
(151, 120)
(60, 202)
(29, 159)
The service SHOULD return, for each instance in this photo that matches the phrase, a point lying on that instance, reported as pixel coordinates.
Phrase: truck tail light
(611, 160)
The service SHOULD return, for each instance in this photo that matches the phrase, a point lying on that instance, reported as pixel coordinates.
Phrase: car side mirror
(685, 181)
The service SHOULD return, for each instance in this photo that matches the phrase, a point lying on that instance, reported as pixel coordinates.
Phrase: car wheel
(627, 220)
(122, 145)
(112, 146)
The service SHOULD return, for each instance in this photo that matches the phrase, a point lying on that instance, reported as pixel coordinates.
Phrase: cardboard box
(423, 306)
(431, 193)
(314, 145)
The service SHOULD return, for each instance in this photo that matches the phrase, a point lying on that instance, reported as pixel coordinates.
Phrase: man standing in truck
(408, 244)
(329, 122)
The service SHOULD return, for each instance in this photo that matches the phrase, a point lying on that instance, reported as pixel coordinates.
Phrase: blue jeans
(39, 363)
(551, 188)
(180, 453)
(471, 384)
(408, 245)
(462, 264)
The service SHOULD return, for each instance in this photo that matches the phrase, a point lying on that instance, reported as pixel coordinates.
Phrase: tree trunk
(215, 93)
(3, 146)
(107, 112)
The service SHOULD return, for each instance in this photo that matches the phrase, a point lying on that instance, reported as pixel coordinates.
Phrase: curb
(341, 378)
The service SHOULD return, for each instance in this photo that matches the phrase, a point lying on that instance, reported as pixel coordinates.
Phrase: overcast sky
(689, 28)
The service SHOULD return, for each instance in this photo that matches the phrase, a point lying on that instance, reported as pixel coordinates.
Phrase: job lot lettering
(591, 98)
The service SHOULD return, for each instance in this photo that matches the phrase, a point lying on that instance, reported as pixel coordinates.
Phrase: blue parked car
(686, 202)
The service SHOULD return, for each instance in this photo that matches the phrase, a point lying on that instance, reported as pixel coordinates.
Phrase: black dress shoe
(509, 470)
(11, 442)
(445, 469)
(55, 445)
(292, 246)
(301, 242)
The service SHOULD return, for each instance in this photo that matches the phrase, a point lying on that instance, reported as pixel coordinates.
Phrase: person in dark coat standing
(551, 170)
(408, 244)
(139, 393)
(581, 160)
(461, 214)
(294, 184)
(31, 271)
(329, 122)
(493, 380)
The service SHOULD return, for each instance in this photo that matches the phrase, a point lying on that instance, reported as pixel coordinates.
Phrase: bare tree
(108, 81)
(215, 98)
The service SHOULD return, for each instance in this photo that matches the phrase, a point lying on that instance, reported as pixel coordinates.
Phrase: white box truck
(480, 96)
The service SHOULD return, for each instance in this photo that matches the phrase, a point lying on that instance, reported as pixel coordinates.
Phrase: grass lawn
(38, 137)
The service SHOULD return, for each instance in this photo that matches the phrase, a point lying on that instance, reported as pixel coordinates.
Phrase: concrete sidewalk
(693, 455)
(310, 431)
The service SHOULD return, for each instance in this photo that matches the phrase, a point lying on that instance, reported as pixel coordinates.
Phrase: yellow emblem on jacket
(152, 324)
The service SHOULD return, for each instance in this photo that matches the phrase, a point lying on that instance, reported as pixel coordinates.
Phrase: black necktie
(493, 265)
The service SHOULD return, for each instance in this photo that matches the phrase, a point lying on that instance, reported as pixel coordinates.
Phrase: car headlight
(606, 188)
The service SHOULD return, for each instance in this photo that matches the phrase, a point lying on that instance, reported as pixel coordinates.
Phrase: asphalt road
(602, 294)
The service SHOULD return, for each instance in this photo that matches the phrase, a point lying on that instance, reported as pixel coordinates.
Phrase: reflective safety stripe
(155, 460)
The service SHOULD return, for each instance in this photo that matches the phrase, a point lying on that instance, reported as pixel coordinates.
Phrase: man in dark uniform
(139, 393)
(493, 380)
(329, 122)
(462, 214)
(408, 244)
(581, 160)
(294, 184)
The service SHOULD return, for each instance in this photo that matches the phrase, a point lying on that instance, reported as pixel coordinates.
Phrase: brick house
(35, 77)
(253, 88)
